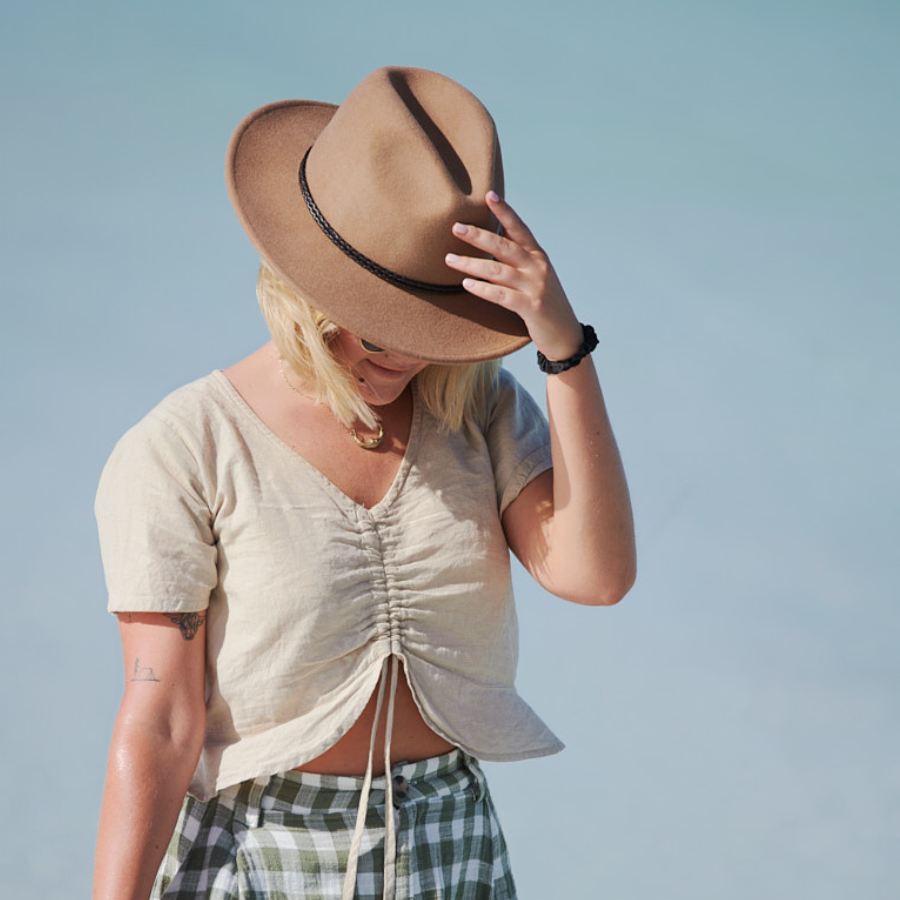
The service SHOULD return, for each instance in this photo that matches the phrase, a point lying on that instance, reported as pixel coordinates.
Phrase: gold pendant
(371, 443)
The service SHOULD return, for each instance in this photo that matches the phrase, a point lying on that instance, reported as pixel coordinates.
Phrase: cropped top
(202, 507)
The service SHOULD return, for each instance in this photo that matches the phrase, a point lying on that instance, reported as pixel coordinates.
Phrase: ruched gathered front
(202, 506)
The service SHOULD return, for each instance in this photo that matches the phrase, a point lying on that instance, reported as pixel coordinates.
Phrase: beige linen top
(202, 506)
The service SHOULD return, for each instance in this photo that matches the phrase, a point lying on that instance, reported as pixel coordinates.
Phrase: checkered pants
(288, 837)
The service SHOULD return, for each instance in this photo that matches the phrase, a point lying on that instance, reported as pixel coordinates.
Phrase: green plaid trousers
(288, 837)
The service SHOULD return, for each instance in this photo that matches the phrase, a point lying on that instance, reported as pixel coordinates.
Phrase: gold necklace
(365, 443)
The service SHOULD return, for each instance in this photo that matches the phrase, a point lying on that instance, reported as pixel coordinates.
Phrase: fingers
(488, 270)
(516, 254)
(514, 246)
(491, 279)
(514, 228)
(519, 277)
(500, 247)
(494, 293)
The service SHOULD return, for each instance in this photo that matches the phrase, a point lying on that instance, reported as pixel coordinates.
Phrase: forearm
(147, 777)
(591, 542)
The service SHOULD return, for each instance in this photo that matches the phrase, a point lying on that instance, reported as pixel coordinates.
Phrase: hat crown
(407, 154)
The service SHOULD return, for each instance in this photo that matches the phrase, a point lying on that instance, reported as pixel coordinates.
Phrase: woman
(308, 553)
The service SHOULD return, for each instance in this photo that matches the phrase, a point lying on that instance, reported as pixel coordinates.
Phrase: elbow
(600, 587)
(603, 595)
(190, 737)
(623, 583)
(177, 732)
(187, 732)
(614, 592)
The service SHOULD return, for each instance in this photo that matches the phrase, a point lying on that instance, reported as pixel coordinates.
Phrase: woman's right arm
(156, 743)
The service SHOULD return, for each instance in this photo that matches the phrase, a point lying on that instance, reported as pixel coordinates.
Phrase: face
(383, 375)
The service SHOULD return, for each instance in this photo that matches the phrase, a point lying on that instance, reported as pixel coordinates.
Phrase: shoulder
(188, 408)
(155, 506)
(516, 435)
(175, 440)
(185, 416)
(509, 402)
(504, 384)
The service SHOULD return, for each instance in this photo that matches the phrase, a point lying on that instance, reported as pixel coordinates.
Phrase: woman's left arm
(572, 526)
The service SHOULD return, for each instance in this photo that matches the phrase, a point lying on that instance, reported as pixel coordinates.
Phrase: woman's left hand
(519, 278)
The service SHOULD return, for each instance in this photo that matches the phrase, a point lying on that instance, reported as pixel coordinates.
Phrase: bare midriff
(411, 738)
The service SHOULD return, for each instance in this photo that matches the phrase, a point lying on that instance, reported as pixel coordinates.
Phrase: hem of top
(243, 770)
(558, 747)
(271, 768)
(130, 606)
(538, 462)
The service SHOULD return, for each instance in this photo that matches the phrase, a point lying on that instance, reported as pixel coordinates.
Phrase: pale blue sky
(718, 186)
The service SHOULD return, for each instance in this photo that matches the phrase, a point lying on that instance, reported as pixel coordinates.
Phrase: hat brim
(261, 172)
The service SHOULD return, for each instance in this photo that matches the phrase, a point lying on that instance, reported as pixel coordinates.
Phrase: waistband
(299, 794)
(433, 767)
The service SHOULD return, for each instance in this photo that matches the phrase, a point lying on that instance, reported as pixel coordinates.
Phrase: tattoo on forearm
(188, 623)
(142, 673)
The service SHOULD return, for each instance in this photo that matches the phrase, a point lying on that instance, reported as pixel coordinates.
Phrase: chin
(381, 387)
(381, 396)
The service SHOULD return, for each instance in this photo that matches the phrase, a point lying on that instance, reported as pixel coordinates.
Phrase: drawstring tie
(390, 838)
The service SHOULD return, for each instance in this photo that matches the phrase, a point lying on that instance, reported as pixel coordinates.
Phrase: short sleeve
(518, 439)
(155, 525)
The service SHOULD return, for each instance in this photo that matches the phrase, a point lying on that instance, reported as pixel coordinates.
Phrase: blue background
(717, 184)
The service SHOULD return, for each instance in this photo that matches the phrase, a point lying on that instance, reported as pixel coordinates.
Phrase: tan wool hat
(352, 206)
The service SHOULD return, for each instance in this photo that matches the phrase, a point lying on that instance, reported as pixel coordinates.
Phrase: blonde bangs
(303, 336)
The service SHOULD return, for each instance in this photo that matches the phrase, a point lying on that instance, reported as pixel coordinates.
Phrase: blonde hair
(303, 336)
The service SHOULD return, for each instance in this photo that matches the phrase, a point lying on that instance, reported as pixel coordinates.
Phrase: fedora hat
(353, 205)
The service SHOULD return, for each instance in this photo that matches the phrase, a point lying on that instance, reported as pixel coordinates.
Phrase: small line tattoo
(142, 673)
(188, 623)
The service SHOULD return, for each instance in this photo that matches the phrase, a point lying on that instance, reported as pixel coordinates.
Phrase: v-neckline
(399, 476)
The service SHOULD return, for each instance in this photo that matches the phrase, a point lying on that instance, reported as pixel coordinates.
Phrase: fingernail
(459, 228)
(452, 258)
(493, 195)
(469, 282)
